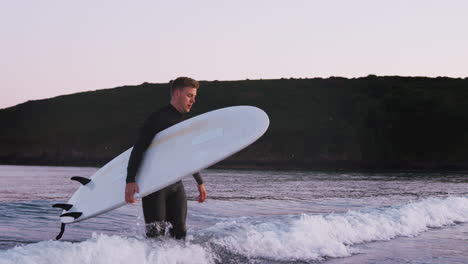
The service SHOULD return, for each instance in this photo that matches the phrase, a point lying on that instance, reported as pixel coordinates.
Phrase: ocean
(249, 217)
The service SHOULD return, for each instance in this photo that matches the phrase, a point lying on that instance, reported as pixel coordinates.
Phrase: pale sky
(51, 48)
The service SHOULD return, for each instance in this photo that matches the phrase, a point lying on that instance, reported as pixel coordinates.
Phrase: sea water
(249, 217)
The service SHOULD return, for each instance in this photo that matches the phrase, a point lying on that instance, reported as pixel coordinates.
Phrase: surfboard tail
(75, 215)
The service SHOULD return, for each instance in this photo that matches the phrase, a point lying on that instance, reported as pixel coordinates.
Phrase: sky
(55, 47)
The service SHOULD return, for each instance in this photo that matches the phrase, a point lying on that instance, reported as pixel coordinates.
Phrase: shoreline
(330, 166)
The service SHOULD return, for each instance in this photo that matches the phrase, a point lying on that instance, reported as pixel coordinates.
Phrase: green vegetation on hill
(371, 122)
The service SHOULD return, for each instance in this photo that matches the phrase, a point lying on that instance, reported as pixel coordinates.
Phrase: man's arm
(144, 140)
(147, 133)
(201, 187)
(197, 176)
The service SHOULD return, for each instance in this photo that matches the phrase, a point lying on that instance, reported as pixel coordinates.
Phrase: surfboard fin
(75, 215)
(62, 230)
(65, 207)
(80, 179)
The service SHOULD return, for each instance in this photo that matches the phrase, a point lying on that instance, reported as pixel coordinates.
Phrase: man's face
(184, 98)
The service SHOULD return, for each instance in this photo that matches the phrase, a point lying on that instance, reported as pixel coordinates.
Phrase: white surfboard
(178, 151)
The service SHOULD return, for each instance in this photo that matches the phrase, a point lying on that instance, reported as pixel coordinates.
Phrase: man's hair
(182, 82)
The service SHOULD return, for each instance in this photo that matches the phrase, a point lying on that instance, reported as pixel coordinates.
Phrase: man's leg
(154, 211)
(177, 212)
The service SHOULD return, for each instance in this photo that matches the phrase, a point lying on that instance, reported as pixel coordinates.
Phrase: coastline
(276, 165)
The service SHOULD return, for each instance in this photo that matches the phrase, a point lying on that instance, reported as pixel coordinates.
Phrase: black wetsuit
(170, 203)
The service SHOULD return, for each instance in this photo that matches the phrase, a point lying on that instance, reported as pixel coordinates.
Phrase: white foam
(305, 237)
(319, 236)
(108, 249)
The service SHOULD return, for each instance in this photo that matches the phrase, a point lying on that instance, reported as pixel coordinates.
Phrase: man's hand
(202, 191)
(130, 190)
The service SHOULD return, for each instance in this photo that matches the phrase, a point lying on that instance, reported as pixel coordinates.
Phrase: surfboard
(180, 150)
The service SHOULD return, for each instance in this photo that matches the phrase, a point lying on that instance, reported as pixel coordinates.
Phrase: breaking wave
(285, 238)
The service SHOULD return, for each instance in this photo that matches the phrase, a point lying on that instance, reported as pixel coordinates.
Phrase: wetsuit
(170, 203)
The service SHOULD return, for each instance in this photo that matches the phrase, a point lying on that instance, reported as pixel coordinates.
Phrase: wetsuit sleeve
(197, 176)
(147, 133)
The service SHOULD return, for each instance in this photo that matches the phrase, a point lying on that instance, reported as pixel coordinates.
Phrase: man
(170, 203)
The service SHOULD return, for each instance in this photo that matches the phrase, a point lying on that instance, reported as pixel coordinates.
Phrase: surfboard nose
(257, 119)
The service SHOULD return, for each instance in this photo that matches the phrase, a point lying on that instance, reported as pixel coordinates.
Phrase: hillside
(335, 123)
